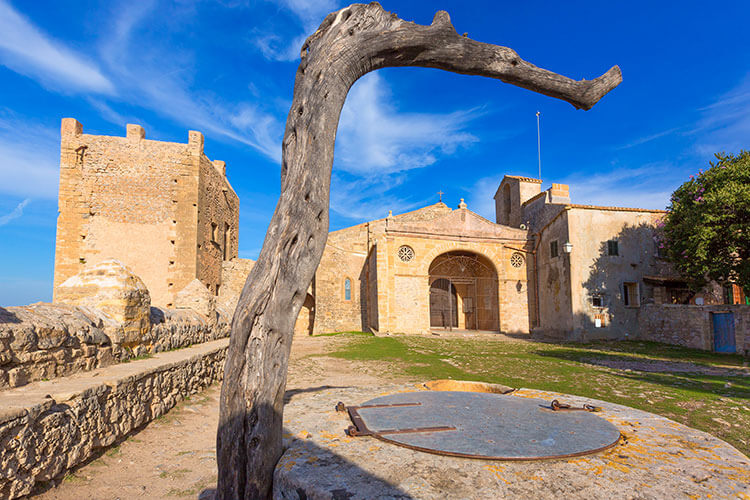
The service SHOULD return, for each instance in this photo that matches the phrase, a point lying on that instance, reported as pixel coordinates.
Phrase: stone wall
(42, 437)
(511, 194)
(234, 273)
(43, 341)
(691, 325)
(598, 274)
(344, 258)
(218, 222)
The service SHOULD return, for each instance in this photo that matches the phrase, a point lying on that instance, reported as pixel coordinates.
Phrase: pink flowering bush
(706, 231)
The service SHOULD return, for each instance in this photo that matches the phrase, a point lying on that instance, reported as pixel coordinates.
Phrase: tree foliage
(707, 228)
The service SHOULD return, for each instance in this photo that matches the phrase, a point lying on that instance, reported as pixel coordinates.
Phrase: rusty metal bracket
(555, 405)
(360, 428)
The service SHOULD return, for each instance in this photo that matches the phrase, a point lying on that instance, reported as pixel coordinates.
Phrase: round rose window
(516, 260)
(405, 253)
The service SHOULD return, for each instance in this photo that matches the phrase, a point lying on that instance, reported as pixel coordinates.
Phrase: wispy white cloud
(26, 50)
(481, 200)
(361, 199)
(651, 137)
(724, 125)
(157, 76)
(375, 138)
(15, 213)
(30, 153)
(627, 187)
(377, 144)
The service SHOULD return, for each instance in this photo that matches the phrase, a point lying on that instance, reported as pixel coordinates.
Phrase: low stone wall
(43, 341)
(691, 325)
(50, 427)
(175, 328)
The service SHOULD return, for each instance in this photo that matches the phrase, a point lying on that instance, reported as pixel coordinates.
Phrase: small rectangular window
(347, 289)
(728, 295)
(613, 248)
(659, 249)
(227, 241)
(214, 232)
(553, 249)
(631, 296)
(596, 301)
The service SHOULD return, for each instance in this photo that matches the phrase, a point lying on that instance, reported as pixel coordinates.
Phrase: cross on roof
(440, 193)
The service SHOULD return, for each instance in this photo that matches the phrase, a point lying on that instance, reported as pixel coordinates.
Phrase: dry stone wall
(43, 341)
(43, 436)
(690, 325)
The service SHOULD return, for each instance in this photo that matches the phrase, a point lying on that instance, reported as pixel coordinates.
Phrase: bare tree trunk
(348, 44)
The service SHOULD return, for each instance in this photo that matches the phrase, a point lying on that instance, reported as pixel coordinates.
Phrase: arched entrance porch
(463, 292)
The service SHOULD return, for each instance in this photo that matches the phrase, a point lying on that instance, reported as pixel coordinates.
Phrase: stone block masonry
(48, 428)
(161, 208)
(691, 326)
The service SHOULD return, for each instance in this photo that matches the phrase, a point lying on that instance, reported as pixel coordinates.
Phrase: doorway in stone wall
(443, 304)
(463, 292)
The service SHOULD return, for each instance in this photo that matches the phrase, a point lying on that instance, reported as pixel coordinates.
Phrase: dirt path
(175, 455)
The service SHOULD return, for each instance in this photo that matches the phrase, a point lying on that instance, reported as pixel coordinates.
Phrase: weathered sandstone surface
(196, 296)
(113, 289)
(43, 341)
(657, 459)
(49, 427)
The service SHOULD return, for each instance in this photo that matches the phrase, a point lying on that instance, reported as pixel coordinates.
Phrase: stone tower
(161, 208)
(511, 194)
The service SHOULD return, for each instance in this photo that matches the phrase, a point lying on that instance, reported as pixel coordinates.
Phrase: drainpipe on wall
(536, 281)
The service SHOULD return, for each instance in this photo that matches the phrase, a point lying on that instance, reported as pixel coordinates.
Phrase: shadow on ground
(245, 443)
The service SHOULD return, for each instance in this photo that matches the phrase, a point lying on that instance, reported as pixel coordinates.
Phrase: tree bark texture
(348, 44)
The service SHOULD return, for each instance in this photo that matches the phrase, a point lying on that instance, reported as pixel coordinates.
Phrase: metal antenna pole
(538, 145)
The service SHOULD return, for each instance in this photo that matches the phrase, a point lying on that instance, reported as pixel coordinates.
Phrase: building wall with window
(149, 204)
(344, 259)
(553, 281)
(613, 249)
(591, 263)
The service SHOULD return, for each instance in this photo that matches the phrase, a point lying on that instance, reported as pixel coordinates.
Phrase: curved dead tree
(348, 44)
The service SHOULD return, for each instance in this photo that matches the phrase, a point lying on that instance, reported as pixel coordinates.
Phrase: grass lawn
(697, 388)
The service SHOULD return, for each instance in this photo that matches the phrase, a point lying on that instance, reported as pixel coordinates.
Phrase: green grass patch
(138, 358)
(113, 452)
(331, 334)
(73, 478)
(174, 474)
(701, 389)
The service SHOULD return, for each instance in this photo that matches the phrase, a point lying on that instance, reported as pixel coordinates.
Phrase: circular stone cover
(489, 426)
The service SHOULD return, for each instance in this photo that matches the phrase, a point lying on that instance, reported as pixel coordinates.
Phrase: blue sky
(226, 68)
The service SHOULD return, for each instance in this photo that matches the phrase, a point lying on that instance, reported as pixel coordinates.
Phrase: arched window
(347, 289)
